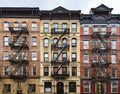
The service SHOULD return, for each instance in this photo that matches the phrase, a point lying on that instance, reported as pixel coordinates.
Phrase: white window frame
(46, 57)
(34, 56)
(6, 55)
(24, 53)
(16, 26)
(6, 26)
(46, 27)
(86, 30)
(74, 27)
(34, 26)
(86, 58)
(46, 42)
(113, 58)
(34, 41)
(6, 41)
(86, 44)
(113, 44)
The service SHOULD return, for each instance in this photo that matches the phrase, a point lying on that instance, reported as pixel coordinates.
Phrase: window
(34, 26)
(74, 71)
(16, 41)
(34, 70)
(7, 87)
(47, 87)
(55, 40)
(34, 55)
(95, 58)
(55, 69)
(24, 24)
(74, 27)
(74, 42)
(55, 26)
(15, 55)
(86, 58)
(113, 72)
(5, 70)
(114, 87)
(86, 87)
(86, 30)
(6, 26)
(24, 40)
(46, 42)
(6, 40)
(64, 57)
(64, 70)
(46, 57)
(72, 86)
(103, 30)
(74, 57)
(24, 71)
(34, 41)
(46, 71)
(113, 44)
(31, 88)
(113, 29)
(16, 26)
(55, 55)
(86, 44)
(64, 26)
(64, 42)
(24, 55)
(6, 55)
(113, 58)
(95, 29)
(46, 26)
(86, 72)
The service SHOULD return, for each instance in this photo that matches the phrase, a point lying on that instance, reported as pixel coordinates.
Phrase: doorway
(60, 88)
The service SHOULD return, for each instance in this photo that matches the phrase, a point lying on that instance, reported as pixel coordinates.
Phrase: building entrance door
(60, 88)
(100, 88)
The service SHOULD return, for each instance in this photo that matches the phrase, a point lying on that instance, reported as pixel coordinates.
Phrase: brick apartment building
(100, 51)
(20, 50)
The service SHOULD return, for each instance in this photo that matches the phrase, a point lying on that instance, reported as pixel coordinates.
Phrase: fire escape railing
(100, 69)
(18, 47)
(63, 62)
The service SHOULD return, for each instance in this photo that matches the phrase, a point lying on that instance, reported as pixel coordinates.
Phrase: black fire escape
(100, 67)
(16, 47)
(64, 62)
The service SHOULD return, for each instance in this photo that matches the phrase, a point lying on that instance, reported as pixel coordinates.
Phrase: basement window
(7, 88)
(31, 88)
(47, 87)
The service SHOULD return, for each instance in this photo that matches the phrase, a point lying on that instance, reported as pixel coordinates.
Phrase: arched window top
(74, 42)
(15, 22)
(6, 22)
(34, 22)
(55, 40)
(24, 24)
(46, 42)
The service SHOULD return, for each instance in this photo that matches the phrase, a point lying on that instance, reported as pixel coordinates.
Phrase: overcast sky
(83, 5)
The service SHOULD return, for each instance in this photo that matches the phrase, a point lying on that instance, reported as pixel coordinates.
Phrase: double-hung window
(34, 55)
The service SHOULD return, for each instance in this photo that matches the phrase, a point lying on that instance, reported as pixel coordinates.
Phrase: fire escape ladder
(60, 52)
(16, 37)
(16, 54)
(103, 41)
(18, 66)
(60, 36)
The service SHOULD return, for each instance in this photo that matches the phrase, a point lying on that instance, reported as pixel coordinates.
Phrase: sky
(83, 5)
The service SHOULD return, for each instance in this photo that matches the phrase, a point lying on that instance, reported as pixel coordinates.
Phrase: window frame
(34, 26)
(34, 70)
(72, 87)
(74, 27)
(49, 87)
(6, 26)
(74, 71)
(6, 40)
(46, 71)
(46, 59)
(74, 57)
(46, 28)
(34, 41)
(46, 42)
(34, 55)
(6, 55)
